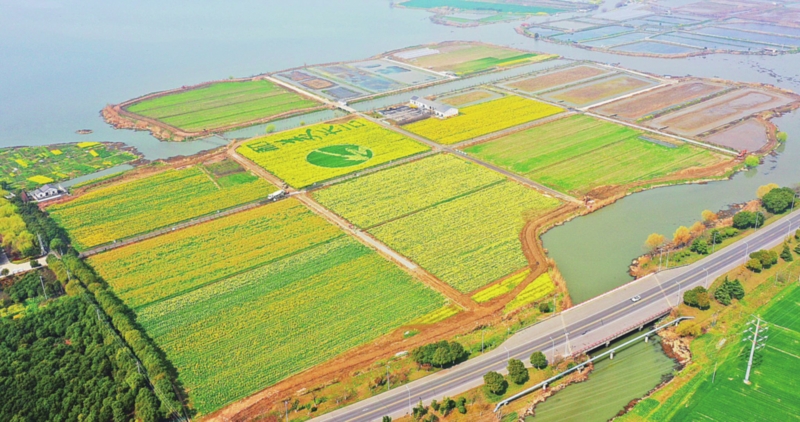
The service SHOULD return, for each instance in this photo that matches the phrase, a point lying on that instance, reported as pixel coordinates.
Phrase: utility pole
(43, 290)
(707, 285)
(388, 381)
(756, 339)
(41, 244)
(482, 330)
(553, 352)
(286, 409)
(714, 243)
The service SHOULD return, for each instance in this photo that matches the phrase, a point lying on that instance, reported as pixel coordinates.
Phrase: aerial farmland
(303, 264)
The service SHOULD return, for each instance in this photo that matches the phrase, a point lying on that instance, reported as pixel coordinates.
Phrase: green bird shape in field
(351, 154)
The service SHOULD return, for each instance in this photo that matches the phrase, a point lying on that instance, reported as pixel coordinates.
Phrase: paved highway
(575, 330)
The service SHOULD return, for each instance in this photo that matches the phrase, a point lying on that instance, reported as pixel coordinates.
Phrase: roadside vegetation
(715, 231)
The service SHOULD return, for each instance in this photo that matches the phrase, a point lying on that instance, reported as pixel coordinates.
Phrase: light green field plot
(126, 209)
(579, 153)
(223, 104)
(724, 396)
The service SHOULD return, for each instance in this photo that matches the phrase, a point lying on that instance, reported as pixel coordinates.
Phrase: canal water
(612, 384)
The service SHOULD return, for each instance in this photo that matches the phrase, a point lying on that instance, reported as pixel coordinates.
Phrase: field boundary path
(579, 328)
(177, 226)
(462, 300)
(619, 122)
(452, 150)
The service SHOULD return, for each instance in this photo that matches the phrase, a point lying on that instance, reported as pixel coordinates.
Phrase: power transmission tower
(758, 342)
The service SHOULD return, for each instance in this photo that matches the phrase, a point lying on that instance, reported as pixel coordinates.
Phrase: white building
(439, 110)
(45, 192)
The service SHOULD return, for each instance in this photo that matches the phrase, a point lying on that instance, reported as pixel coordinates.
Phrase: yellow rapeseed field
(320, 152)
(126, 209)
(472, 240)
(397, 191)
(538, 289)
(166, 265)
(482, 119)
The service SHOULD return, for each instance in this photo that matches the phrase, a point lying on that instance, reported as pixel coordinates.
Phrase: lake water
(62, 62)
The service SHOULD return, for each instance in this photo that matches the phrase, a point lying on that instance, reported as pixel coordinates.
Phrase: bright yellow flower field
(482, 119)
(126, 209)
(320, 152)
(166, 265)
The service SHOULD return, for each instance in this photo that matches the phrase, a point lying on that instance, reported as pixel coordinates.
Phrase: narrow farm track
(429, 279)
(452, 150)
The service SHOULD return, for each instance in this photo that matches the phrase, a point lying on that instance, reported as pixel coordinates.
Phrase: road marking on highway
(662, 291)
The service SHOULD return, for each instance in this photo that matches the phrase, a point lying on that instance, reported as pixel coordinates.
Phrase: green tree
(386, 419)
(435, 405)
(797, 235)
(538, 360)
(419, 411)
(517, 372)
(495, 383)
(699, 246)
(797, 249)
(440, 357)
(146, 406)
(448, 405)
(57, 245)
(781, 137)
(722, 296)
(752, 161)
(736, 289)
(777, 201)
(767, 258)
(786, 254)
(754, 265)
(270, 128)
(697, 297)
(544, 307)
(746, 219)
(462, 405)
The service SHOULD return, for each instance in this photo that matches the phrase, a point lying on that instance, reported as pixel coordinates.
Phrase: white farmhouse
(45, 192)
(439, 110)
